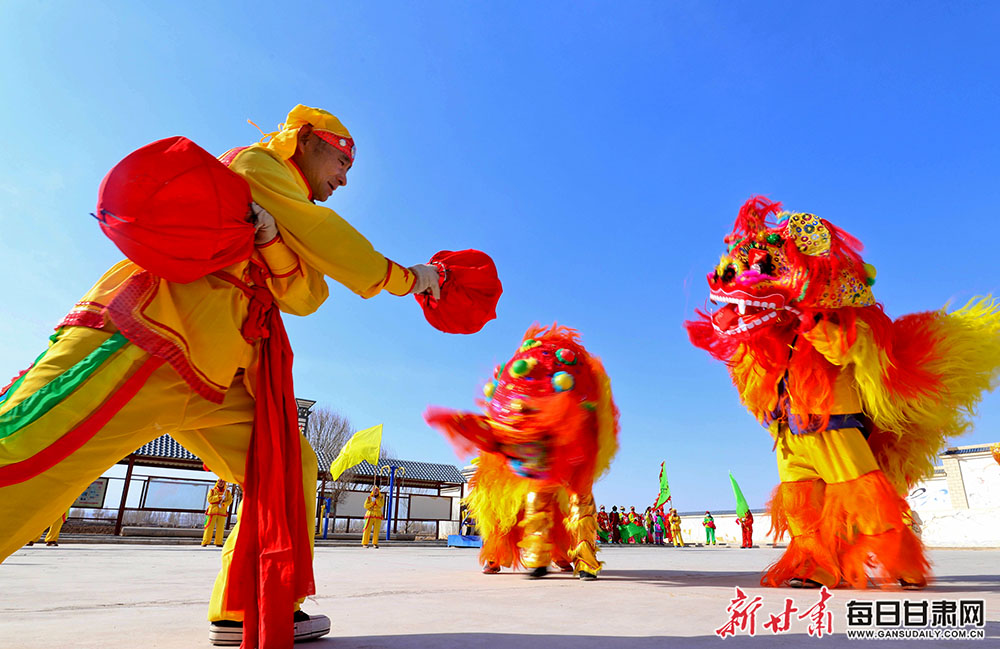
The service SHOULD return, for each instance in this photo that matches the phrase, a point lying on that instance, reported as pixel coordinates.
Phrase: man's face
(324, 166)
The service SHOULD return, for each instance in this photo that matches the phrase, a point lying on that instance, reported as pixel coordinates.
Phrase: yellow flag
(364, 445)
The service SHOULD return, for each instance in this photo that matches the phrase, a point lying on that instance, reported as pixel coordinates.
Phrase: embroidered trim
(124, 312)
(343, 144)
(87, 319)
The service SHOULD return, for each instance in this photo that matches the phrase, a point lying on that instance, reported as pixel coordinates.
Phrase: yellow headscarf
(283, 141)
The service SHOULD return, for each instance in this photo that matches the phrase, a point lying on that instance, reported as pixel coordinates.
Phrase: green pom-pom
(520, 368)
(870, 281)
(774, 239)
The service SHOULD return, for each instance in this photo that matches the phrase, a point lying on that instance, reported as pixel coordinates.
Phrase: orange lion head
(548, 411)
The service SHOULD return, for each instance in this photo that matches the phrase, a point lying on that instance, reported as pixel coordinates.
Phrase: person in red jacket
(747, 524)
(603, 522)
(615, 519)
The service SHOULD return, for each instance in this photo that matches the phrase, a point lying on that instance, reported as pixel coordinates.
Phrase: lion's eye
(760, 261)
(729, 274)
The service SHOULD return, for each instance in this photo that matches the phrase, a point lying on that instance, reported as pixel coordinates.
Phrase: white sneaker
(307, 627)
(310, 627)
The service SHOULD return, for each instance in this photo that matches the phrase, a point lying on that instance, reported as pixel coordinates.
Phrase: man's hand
(264, 226)
(427, 280)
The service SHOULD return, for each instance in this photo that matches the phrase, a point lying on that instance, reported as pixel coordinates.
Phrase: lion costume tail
(924, 387)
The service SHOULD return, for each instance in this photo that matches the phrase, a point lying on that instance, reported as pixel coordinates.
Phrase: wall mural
(982, 482)
(932, 494)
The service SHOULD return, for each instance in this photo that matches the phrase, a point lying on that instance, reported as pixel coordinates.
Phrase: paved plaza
(85, 596)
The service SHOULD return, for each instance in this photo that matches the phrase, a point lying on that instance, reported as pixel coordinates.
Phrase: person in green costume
(709, 524)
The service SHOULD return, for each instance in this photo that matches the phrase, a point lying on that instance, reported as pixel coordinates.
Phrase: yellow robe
(218, 507)
(373, 519)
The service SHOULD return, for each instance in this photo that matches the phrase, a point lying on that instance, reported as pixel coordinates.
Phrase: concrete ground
(84, 596)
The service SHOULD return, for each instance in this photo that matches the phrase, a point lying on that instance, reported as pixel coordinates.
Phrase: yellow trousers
(52, 536)
(219, 434)
(542, 544)
(373, 526)
(216, 526)
(844, 517)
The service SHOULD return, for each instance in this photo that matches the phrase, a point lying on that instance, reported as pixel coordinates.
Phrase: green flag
(741, 503)
(631, 530)
(664, 487)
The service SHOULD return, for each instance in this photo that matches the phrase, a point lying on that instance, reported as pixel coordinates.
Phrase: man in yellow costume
(139, 356)
(675, 528)
(373, 517)
(219, 500)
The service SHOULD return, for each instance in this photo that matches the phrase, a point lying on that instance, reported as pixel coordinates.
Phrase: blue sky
(598, 152)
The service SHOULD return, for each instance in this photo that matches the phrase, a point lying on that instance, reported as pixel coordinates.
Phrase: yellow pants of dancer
(582, 524)
(373, 527)
(675, 533)
(219, 434)
(216, 526)
(833, 476)
(52, 536)
(541, 506)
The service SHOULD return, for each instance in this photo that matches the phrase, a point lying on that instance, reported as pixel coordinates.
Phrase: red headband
(343, 144)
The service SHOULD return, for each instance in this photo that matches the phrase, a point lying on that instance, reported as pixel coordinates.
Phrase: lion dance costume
(858, 404)
(549, 431)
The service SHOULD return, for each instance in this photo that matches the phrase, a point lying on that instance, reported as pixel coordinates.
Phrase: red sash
(272, 561)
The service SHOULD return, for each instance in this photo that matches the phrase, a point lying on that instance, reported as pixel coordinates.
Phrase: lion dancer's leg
(536, 547)
(500, 548)
(583, 525)
(797, 507)
(864, 513)
(843, 515)
(561, 536)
